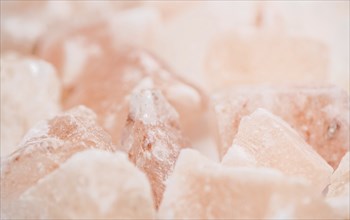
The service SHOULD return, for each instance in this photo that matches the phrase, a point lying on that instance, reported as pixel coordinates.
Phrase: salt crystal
(152, 137)
(91, 184)
(271, 142)
(47, 146)
(263, 57)
(108, 63)
(202, 189)
(319, 114)
(30, 92)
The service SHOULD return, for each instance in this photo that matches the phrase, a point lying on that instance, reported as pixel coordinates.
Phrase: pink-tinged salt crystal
(46, 146)
(319, 114)
(339, 190)
(202, 189)
(265, 140)
(252, 58)
(104, 76)
(30, 92)
(92, 184)
(152, 137)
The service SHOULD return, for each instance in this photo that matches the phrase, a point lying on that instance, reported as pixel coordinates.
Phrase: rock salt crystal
(30, 92)
(339, 190)
(152, 137)
(268, 141)
(46, 147)
(319, 114)
(202, 189)
(263, 57)
(106, 65)
(91, 184)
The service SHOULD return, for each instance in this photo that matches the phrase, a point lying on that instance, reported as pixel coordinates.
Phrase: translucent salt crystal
(30, 92)
(263, 57)
(100, 69)
(92, 184)
(319, 114)
(202, 189)
(152, 137)
(268, 141)
(339, 189)
(46, 146)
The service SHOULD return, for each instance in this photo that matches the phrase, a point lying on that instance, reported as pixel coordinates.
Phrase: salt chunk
(272, 143)
(47, 146)
(91, 184)
(152, 137)
(319, 114)
(263, 57)
(202, 189)
(30, 92)
(108, 63)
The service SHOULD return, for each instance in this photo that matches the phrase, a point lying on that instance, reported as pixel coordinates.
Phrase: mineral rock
(201, 189)
(152, 137)
(102, 71)
(30, 92)
(251, 58)
(46, 146)
(319, 114)
(265, 140)
(92, 184)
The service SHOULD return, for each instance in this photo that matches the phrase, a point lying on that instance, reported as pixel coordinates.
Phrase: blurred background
(215, 44)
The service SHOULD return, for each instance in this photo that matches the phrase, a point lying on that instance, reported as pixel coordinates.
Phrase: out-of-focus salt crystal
(169, 10)
(91, 184)
(71, 48)
(152, 137)
(47, 146)
(193, 28)
(319, 114)
(202, 189)
(339, 189)
(268, 141)
(246, 58)
(30, 92)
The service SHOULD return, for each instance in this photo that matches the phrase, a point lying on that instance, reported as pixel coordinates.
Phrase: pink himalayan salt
(319, 114)
(265, 140)
(339, 190)
(46, 146)
(30, 92)
(109, 71)
(91, 184)
(152, 137)
(202, 189)
(265, 57)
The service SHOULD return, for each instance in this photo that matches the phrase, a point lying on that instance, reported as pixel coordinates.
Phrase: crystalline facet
(319, 114)
(46, 146)
(267, 141)
(152, 137)
(91, 184)
(30, 92)
(202, 189)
